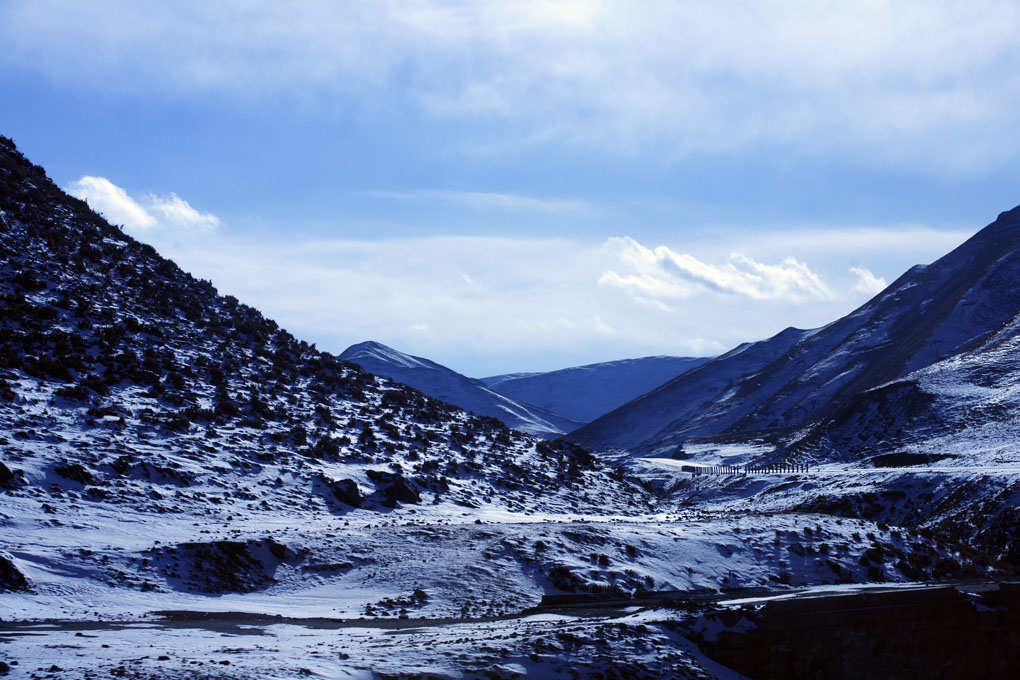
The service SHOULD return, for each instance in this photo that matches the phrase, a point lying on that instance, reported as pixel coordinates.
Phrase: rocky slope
(131, 391)
(774, 386)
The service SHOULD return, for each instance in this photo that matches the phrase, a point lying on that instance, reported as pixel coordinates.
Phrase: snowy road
(845, 470)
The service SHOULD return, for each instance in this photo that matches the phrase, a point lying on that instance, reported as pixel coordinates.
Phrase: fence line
(776, 468)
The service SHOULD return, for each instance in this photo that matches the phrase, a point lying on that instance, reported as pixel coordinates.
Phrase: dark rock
(4, 668)
(76, 473)
(401, 490)
(122, 465)
(394, 487)
(344, 490)
(10, 577)
(225, 566)
(5, 474)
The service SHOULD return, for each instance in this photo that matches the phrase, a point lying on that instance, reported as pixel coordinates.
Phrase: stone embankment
(931, 633)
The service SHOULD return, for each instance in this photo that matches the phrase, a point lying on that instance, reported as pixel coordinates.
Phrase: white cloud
(664, 273)
(883, 81)
(867, 282)
(153, 212)
(488, 305)
(482, 200)
(174, 210)
(116, 206)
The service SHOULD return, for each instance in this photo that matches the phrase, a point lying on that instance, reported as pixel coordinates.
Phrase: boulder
(76, 473)
(11, 577)
(394, 488)
(401, 490)
(5, 474)
(344, 490)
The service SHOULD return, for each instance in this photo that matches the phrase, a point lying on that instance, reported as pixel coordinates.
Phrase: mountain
(188, 490)
(963, 410)
(164, 442)
(774, 386)
(442, 383)
(583, 393)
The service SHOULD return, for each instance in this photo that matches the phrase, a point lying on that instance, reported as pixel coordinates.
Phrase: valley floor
(440, 589)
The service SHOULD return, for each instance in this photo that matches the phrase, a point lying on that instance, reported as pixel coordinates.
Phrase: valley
(188, 490)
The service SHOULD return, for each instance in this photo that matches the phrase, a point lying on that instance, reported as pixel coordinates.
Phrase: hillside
(963, 409)
(442, 383)
(774, 386)
(583, 393)
(166, 421)
(190, 491)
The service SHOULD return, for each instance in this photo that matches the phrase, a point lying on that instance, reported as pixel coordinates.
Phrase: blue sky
(528, 185)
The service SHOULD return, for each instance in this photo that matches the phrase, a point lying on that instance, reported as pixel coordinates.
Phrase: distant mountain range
(544, 404)
(447, 385)
(772, 387)
(583, 393)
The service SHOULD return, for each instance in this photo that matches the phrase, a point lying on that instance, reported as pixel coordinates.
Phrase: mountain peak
(796, 376)
(370, 350)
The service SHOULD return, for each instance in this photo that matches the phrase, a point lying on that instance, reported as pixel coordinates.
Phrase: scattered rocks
(225, 566)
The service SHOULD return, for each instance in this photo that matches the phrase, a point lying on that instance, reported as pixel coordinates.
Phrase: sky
(524, 186)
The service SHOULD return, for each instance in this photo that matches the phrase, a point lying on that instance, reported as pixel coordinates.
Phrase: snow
(202, 495)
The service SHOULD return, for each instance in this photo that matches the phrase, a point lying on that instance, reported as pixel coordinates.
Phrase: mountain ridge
(584, 393)
(929, 312)
(447, 385)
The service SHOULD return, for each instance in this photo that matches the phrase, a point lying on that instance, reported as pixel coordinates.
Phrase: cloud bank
(932, 85)
(490, 304)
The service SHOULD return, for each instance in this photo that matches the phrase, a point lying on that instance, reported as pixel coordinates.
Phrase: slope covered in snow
(583, 393)
(962, 411)
(442, 383)
(796, 377)
(189, 491)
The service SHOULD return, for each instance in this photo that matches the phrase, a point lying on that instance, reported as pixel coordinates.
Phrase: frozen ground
(540, 646)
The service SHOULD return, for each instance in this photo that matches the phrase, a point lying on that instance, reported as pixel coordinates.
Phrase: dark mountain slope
(583, 393)
(132, 368)
(930, 312)
(442, 383)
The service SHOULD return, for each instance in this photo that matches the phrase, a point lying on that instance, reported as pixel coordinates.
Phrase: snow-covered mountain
(583, 393)
(799, 376)
(188, 490)
(964, 410)
(188, 445)
(442, 383)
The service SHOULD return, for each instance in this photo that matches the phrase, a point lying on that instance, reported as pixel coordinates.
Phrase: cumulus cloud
(664, 273)
(113, 202)
(486, 304)
(867, 282)
(152, 212)
(173, 210)
(899, 82)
